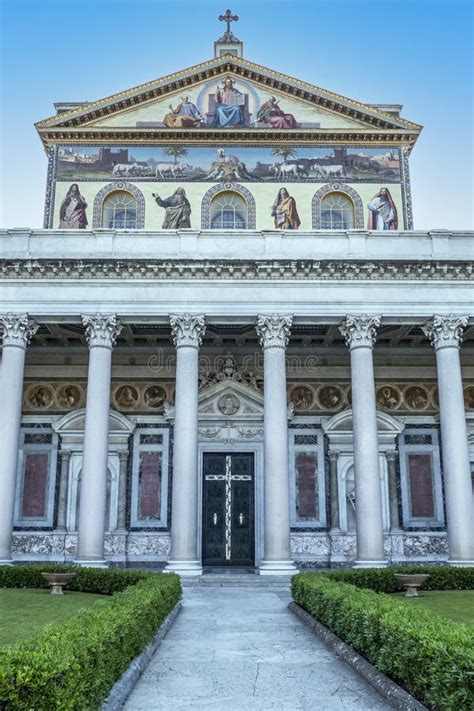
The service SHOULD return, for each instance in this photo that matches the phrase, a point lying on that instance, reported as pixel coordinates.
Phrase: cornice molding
(221, 269)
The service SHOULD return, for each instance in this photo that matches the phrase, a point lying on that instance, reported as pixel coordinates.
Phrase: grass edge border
(124, 686)
(388, 689)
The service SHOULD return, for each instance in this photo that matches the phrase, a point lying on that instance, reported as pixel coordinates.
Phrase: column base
(85, 563)
(184, 567)
(277, 567)
(370, 563)
(6, 561)
(460, 563)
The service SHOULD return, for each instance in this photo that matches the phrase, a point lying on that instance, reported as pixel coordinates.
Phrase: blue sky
(414, 52)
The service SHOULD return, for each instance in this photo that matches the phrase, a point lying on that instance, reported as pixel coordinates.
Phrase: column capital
(123, 456)
(187, 329)
(391, 455)
(333, 455)
(360, 331)
(101, 329)
(274, 331)
(445, 331)
(65, 455)
(17, 329)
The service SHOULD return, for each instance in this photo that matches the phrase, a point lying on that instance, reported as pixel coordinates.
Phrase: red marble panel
(35, 480)
(306, 463)
(150, 485)
(421, 485)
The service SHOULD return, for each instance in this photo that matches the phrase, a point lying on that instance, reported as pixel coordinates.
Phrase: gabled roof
(369, 117)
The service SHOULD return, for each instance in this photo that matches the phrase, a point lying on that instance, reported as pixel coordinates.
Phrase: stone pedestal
(101, 332)
(445, 333)
(17, 333)
(187, 332)
(274, 333)
(360, 335)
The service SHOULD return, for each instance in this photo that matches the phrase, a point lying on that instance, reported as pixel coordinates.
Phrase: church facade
(228, 346)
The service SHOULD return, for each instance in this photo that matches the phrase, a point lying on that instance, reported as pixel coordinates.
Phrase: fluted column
(17, 331)
(63, 487)
(122, 492)
(274, 333)
(391, 458)
(445, 333)
(360, 334)
(187, 331)
(101, 332)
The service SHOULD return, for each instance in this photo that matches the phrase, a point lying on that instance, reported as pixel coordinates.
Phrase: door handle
(214, 519)
(241, 518)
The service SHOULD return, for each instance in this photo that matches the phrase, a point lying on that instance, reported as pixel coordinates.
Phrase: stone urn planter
(58, 581)
(411, 582)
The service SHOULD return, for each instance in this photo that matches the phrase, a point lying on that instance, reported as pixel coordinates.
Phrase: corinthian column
(17, 333)
(360, 333)
(101, 332)
(445, 333)
(274, 333)
(187, 331)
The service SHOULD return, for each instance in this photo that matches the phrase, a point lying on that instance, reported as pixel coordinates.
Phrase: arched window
(337, 212)
(119, 211)
(228, 211)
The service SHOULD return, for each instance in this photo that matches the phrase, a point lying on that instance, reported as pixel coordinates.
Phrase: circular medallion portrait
(330, 397)
(302, 397)
(40, 396)
(68, 396)
(126, 396)
(387, 397)
(469, 397)
(155, 397)
(228, 404)
(416, 397)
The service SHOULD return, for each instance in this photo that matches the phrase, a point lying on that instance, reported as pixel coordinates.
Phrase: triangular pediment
(229, 400)
(298, 105)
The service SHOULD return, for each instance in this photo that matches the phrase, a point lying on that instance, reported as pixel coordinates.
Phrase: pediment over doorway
(227, 400)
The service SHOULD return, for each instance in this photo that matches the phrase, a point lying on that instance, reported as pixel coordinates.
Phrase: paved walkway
(240, 649)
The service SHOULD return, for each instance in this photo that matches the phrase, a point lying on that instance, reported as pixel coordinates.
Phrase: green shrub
(73, 666)
(103, 581)
(431, 657)
(383, 579)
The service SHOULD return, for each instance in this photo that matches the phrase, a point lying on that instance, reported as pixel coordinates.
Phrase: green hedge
(431, 657)
(74, 665)
(383, 579)
(103, 581)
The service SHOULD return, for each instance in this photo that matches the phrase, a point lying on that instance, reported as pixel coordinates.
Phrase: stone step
(240, 581)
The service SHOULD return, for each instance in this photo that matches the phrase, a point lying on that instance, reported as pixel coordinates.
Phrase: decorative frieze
(286, 270)
(101, 329)
(17, 329)
(445, 331)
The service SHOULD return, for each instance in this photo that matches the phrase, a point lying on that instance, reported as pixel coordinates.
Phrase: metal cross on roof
(228, 17)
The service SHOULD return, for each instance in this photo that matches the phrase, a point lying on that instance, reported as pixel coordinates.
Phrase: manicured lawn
(457, 605)
(24, 612)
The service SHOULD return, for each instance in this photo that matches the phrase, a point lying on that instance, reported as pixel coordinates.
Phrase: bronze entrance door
(228, 509)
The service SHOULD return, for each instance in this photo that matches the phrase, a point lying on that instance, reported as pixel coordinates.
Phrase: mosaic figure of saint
(155, 397)
(69, 396)
(382, 212)
(185, 115)
(387, 397)
(302, 397)
(284, 211)
(330, 397)
(40, 397)
(229, 108)
(177, 210)
(72, 213)
(126, 396)
(416, 397)
(274, 116)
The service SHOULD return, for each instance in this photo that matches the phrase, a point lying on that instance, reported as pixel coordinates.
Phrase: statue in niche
(177, 210)
(272, 114)
(72, 213)
(185, 115)
(382, 212)
(284, 211)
